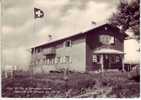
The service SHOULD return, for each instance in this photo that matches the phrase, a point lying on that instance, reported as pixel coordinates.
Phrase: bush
(126, 90)
(135, 74)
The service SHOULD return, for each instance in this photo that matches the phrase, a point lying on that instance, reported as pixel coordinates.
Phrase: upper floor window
(38, 50)
(68, 43)
(106, 39)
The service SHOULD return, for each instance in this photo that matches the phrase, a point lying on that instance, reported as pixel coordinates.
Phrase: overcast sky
(62, 18)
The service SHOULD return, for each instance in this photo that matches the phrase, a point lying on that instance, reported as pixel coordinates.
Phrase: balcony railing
(49, 51)
(37, 56)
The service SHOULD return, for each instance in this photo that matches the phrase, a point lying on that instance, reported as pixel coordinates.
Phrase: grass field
(80, 85)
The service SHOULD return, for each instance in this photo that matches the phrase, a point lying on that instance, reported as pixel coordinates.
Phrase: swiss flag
(38, 13)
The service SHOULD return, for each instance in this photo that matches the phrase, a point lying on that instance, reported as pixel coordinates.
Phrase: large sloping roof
(80, 34)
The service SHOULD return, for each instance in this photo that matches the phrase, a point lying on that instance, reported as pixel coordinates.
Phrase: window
(106, 39)
(58, 60)
(52, 61)
(40, 61)
(68, 43)
(112, 40)
(94, 58)
(67, 59)
(47, 61)
(39, 50)
(113, 58)
(37, 62)
(117, 59)
(44, 61)
(61, 60)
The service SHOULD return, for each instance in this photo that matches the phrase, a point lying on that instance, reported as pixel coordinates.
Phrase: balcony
(37, 56)
(49, 51)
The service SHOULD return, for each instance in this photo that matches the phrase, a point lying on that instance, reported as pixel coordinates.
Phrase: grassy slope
(108, 84)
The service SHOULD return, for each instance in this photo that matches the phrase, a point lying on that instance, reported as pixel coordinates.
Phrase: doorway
(106, 61)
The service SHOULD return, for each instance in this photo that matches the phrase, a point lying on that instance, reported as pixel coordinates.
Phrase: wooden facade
(109, 42)
(79, 52)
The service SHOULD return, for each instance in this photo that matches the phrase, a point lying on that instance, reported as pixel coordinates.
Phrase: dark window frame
(68, 43)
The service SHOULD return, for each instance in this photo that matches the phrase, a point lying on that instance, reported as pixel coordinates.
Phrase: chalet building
(97, 49)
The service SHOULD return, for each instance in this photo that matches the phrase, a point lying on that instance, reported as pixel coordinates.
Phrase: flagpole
(1, 30)
(37, 13)
(2, 7)
(2, 64)
(34, 50)
(32, 57)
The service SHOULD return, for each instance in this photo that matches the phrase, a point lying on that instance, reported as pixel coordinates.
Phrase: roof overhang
(108, 51)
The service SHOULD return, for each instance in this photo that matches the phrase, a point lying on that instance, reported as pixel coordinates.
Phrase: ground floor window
(67, 59)
(118, 59)
(96, 58)
(37, 62)
(108, 61)
(63, 60)
(53, 60)
(49, 60)
(58, 60)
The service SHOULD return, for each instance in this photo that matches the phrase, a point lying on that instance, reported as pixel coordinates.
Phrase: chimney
(49, 37)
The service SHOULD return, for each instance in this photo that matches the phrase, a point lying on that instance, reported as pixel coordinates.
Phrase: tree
(127, 16)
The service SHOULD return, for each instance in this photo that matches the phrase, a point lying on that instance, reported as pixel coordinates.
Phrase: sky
(62, 18)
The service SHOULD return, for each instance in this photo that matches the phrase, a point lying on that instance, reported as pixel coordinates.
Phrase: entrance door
(106, 62)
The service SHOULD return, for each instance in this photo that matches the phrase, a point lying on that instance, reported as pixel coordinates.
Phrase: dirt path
(102, 92)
